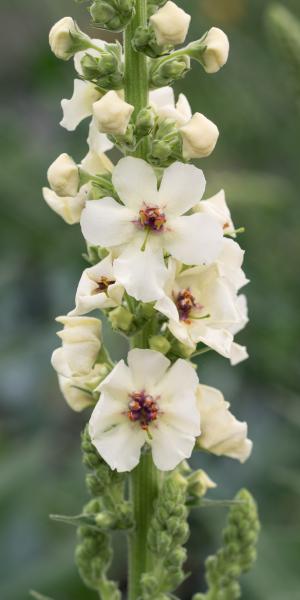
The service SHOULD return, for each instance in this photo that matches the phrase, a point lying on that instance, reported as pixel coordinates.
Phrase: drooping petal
(147, 368)
(181, 188)
(135, 182)
(69, 208)
(143, 274)
(98, 142)
(80, 105)
(238, 353)
(195, 239)
(106, 223)
(162, 97)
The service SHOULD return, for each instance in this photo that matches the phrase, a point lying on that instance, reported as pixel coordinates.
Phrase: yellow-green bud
(164, 72)
(160, 344)
(198, 483)
(120, 318)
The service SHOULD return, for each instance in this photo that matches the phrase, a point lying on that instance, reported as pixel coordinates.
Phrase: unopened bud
(198, 483)
(104, 70)
(112, 16)
(199, 137)
(63, 176)
(145, 121)
(160, 344)
(211, 50)
(165, 73)
(120, 318)
(170, 24)
(65, 38)
(112, 114)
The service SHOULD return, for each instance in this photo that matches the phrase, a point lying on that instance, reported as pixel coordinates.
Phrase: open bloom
(79, 392)
(150, 222)
(146, 402)
(221, 432)
(81, 343)
(217, 50)
(170, 24)
(202, 306)
(199, 137)
(98, 288)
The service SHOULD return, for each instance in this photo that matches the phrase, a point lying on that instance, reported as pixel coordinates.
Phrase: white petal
(135, 182)
(96, 164)
(179, 380)
(120, 446)
(181, 188)
(183, 107)
(80, 105)
(106, 223)
(238, 353)
(167, 307)
(170, 447)
(69, 208)
(195, 239)
(147, 368)
(143, 274)
(98, 142)
(118, 384)
(162, 96)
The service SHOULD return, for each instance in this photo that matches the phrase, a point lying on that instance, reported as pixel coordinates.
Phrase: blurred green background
(257, 161)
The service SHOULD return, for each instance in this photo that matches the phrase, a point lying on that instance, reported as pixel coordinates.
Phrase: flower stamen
(152, 218)
(185, 302)
(143, 409)
(103, 284)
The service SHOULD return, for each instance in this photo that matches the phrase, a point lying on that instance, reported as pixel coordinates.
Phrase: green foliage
(237, 554)
(112, 14)
(168, 531)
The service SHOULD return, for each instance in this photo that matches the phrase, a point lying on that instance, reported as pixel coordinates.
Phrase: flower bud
(198, 483)
(114, 16)
(65, 38)
(170, 24)
(67, 207)
(199, 137)
(216, 51)
(112, 114)
(160, 344)
(81, 342)
(120, 318)
(165, 73)
(145, 121)
(104, 70)
(78, 391)
(63, 176)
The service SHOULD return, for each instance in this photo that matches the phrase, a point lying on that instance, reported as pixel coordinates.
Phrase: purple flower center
(103, 284)
(185, 302)
(151, 217)
(142, 408)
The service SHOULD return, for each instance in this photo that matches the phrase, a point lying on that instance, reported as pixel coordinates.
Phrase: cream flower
(162, 101)
(230, 262)
(81, 343)
(216, 206)
(202, 307)
(221, 432)
(67, 207)
(79, 392)
(80, 105)
(217, 50)
(112, 114)
(63, 176)
(98, 288)
(60, 37)
(170, 24)
(146, 402)
(199, 137)
(151, 222)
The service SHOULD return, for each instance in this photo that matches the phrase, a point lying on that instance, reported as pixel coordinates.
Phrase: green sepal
(112, 14)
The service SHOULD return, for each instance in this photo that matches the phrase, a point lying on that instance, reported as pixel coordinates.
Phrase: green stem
(136, 70)
(143, 491)
(144, 479)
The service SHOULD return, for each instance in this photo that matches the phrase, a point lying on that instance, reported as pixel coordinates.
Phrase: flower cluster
(165, 266)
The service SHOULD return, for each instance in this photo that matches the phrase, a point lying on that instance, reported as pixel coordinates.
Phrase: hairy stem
(144, 479)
